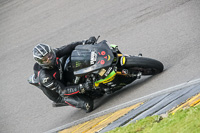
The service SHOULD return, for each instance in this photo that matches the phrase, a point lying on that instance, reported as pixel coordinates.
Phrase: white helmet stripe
(43, 49)
(49, 48)
(37, 56)
(39, 51)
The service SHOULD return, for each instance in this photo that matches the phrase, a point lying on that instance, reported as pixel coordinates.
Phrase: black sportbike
(108, 69)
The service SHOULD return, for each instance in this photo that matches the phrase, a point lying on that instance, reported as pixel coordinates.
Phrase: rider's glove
(91, 40)
(85, 87)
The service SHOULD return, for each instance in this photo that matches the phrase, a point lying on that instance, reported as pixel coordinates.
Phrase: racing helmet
(44, 56)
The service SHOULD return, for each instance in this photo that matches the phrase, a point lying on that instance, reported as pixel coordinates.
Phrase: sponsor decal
(78, 64)
(102, 71)
(45, 80)
(108, 71)
(93, 58)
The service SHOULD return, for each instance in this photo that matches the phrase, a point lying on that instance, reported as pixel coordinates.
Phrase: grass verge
(183, 121)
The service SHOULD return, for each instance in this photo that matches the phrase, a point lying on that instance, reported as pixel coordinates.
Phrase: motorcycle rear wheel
(147, 66)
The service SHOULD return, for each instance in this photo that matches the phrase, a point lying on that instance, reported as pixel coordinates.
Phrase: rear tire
(145, 65)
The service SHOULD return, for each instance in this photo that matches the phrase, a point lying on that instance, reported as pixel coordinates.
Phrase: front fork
(126, 72)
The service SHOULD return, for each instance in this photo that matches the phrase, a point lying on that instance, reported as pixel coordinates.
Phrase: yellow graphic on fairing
(108, 57)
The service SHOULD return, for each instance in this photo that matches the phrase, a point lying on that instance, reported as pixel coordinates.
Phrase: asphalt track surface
(165, 30)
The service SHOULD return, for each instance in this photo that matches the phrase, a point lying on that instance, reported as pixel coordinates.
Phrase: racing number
(103, 52)
(102, 62)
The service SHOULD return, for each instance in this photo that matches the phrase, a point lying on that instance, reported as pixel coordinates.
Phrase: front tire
(145, 65)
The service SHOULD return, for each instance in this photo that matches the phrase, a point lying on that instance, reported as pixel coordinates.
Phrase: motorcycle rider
(56, 83)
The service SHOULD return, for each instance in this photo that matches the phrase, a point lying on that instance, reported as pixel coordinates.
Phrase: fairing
(89, 58)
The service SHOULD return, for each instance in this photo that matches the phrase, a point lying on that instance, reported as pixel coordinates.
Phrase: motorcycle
(108, 69)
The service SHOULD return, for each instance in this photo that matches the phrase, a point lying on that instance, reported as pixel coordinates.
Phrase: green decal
(78, 64)
(113, 45)
(109, 78)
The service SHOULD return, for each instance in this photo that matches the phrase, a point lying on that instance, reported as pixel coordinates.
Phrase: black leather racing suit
(55, 84)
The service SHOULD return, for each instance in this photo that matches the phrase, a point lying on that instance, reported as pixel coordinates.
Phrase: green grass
(183, 121)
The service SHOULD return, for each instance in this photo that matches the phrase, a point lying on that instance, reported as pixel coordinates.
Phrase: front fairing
(89, 58)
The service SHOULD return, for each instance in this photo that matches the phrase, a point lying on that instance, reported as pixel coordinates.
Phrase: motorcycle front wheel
(146, 66)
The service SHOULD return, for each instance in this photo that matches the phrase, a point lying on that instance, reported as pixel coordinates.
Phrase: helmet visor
(47, 59)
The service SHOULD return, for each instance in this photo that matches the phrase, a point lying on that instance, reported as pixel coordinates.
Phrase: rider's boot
(80, 101)
(88, 106)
